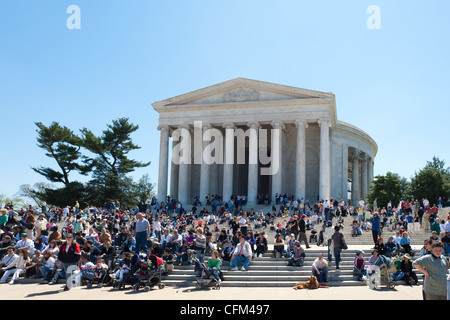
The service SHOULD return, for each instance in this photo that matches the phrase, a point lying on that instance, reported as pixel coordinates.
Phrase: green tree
(105, 157)
(61, 144)
(110, 162)
(68, 195)
(432, 182)
(143, 189)
(386, 188)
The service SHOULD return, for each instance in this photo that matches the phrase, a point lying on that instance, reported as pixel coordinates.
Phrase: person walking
(328, 233)
(338, 244)
(302, 231)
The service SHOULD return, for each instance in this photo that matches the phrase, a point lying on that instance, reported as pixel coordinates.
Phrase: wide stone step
(272, 270)
(255, 276)
(279, 283)
(262, 284)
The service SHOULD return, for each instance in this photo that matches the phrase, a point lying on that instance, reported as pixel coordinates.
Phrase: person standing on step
(328, 233)
(302, 231)
(243, 224)
(293, 225)
(141, 232)
(376, 230)
(338, 244)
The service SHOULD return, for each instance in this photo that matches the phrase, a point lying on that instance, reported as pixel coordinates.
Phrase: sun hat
(407, 256)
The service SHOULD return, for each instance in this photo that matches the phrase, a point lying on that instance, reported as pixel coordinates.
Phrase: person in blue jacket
(376, 230)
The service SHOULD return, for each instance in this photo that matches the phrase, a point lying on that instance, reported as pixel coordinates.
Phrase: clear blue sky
(392, 83)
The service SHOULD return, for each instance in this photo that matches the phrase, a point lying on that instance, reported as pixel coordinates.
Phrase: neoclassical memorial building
(320, 157)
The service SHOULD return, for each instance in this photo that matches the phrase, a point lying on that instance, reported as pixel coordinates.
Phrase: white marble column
(355, 177)
(184, 167)
(205, 171)
(277, 159)
(344, 172)
(163, 163)
(252, 191)
(228, 162)
(364, 178)
(325, 161)
(369, 174)
(300, 164)
(174, 167)
(214, 182)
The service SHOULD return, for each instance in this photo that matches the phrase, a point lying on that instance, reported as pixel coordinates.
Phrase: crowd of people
(44, 242)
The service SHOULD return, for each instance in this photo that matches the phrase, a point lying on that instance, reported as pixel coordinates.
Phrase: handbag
(344, 245)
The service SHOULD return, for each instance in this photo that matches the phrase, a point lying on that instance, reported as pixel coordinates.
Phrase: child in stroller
(149, 273)
(101, 275)
(123, 270)
(93, 273)
(204, 276)
(382, 269)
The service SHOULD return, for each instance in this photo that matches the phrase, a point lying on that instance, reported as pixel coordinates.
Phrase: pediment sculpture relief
(241, 95)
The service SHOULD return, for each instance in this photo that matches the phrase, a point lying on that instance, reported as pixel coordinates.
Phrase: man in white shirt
(361, 203)
(295, 204)
(397, 238)
(243, 224)
(447, 225)
(66, 212)
(25, 243)
(320, 268)
(9, 257)
(242, 253)
(175, 241)
(157, 228)
(165, 239)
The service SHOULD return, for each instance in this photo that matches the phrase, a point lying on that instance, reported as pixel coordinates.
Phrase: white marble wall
(240, 101)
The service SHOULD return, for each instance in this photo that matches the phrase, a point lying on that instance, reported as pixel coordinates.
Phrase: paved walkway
(55, 292)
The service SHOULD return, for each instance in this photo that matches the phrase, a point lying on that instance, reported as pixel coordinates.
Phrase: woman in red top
(69, 254)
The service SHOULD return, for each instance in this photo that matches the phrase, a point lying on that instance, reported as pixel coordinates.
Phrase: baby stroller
(381, 273)
(91, 279)
(204, 276)
(131, 277)
(148, 277)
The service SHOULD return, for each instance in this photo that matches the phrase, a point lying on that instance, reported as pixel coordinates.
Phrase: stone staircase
(267, 271)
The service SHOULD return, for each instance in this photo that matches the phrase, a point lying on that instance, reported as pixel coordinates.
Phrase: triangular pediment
(242, 90)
